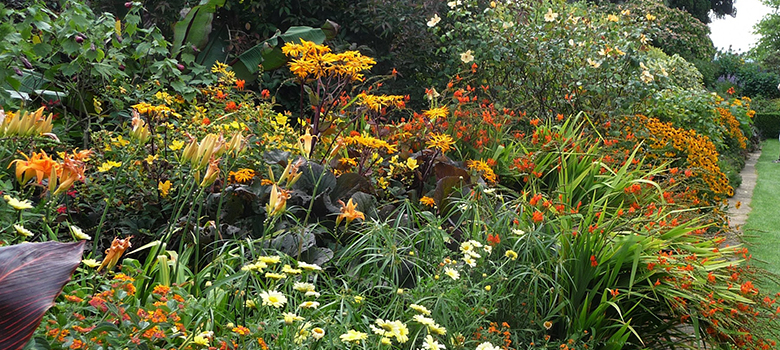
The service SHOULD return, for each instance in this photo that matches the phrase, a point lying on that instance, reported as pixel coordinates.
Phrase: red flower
(493, 240)
(265, 94)
(593, 261)
(231, 106)
(537, 217)
(62, 209)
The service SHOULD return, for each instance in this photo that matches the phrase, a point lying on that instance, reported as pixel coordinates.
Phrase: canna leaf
(31, 276)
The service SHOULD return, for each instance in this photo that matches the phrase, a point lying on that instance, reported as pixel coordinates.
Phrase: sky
(737, 32)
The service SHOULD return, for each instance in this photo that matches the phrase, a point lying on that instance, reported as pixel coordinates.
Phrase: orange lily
(113, 253)
(278, 201)
(70, 171)
(349, 211)
(39, 166)
(211, 174)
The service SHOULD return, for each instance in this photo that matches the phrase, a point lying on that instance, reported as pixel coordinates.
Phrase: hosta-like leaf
(31, 276)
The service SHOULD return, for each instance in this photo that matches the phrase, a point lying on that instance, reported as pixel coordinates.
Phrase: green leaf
(194, 29)
(31, 276)
(269, 52)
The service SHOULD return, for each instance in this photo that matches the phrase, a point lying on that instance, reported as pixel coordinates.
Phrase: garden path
(744, 193)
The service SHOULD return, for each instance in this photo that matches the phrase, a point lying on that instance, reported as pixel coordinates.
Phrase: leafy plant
(31, 277)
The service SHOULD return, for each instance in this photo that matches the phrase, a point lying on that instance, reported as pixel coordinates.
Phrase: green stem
(103, 217)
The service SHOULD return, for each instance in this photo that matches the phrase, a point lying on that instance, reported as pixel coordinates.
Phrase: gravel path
(743, 193)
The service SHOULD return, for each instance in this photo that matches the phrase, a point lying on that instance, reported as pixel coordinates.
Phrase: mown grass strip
(762, 229)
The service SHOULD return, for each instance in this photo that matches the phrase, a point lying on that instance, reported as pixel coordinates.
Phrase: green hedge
(768, 124)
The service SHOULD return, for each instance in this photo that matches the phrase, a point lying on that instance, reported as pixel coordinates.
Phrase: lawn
(762, 229)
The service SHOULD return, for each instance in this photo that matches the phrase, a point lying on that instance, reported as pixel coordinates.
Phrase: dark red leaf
(31, 276)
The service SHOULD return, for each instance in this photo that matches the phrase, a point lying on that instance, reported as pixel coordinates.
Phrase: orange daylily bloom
(278, 201)
(70, 171)
(349, 211)
(113, 253)
(211, 173)
(38, 166)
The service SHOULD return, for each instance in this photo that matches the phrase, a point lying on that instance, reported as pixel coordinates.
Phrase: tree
(767, 50)
(699, 9)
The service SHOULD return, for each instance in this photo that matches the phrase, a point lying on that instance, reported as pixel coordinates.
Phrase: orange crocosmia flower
(231, 106)
(349, 211)
(38, 166)
(535, 122)
(113, 253)
(537, 217)
(493, 240)
(240, 84)
(265, 94)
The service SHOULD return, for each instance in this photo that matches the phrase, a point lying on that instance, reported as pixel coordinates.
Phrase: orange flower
(349, 211)
(537, 217)
(493, 240)
(68, 172)
(535, 122)
(38, 166)
(118, 247)
(240, 84)
(265, 94)
(231, 106)
(427, 201)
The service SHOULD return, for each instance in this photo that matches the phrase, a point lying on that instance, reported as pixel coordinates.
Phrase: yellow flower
(550, 16)
(273, 298)
(250, 304)
(90, 262)
(290, 318)
(270, 260)
(432, 344)
(164, 188)
(511, 254)
(23, 231)
(201, 339)
(454, 274)
(443, 142)
(317, 333)
(353, 336)
(434, 20)
(276, 276)
(612, 18)
(18, 204)
(303, 287)
(467, 56)
(481, 166)
(151, 158)
(650, 17)
(78, 233)
(289, 270)
(358, 299)
(310, 305)
(176, 145)
(349, 211)
(421, 309)
(310, 267)
(108, 165)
